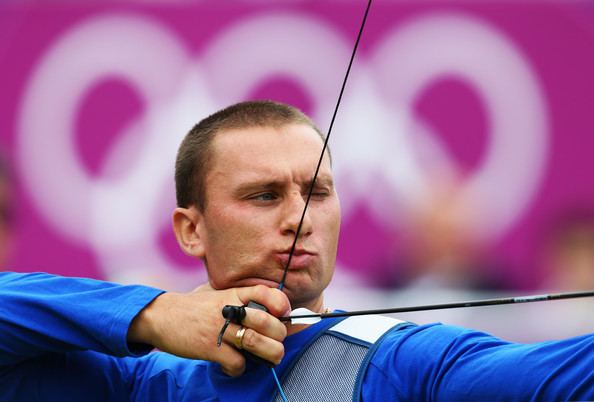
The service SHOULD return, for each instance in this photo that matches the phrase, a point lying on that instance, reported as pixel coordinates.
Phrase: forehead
(290, 145)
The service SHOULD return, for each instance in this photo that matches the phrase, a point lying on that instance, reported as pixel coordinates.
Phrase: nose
(293, 210)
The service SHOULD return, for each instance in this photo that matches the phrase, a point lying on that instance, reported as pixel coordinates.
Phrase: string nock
(232, 314)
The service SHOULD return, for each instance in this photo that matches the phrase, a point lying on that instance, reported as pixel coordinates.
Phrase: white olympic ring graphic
(377, 138)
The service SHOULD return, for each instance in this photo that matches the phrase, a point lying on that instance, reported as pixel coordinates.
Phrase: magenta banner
(465, 125)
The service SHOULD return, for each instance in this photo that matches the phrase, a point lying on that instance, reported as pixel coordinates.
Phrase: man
(242, 175)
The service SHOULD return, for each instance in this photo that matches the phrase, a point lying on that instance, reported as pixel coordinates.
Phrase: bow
(304, 316)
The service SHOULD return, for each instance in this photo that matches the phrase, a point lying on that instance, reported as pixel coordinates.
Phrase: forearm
(144, 329)
(42, 313)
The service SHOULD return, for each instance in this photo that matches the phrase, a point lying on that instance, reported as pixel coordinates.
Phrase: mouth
(301, 259)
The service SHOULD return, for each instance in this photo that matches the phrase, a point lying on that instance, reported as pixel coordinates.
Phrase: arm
(439, 362)
(41, 313)
(57, 335)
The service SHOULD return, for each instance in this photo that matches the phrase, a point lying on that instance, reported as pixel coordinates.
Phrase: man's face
(255, 195)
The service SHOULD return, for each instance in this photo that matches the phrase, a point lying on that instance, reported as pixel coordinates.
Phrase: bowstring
(315, 176)
(281, 285)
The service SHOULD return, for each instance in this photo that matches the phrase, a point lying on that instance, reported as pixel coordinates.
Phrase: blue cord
(278, 385)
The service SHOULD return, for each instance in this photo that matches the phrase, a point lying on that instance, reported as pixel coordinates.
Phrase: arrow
(303, 316)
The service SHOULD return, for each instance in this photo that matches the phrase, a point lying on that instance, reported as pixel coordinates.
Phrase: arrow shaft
(443, 306)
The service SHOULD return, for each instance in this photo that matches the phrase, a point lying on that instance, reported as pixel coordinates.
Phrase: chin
(256, 281)
(302, 298)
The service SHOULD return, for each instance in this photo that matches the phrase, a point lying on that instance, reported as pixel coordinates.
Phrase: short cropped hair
(195, 153)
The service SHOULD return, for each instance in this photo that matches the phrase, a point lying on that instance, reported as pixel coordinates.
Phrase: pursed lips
(301, 259)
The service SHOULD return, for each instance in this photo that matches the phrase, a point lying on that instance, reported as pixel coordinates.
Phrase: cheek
(227, 228)
(232, 240)
(330, 218)
(334, 224)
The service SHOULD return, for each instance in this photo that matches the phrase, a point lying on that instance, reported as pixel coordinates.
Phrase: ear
(186, 225)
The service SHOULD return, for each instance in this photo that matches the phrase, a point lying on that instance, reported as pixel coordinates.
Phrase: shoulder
(421, 351)
(422, 342)
(368, 329)
(402, 364)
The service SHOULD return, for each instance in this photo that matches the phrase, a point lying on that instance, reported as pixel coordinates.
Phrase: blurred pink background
(465, 134)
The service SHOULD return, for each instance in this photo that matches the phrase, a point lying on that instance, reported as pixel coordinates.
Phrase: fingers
(231, 360)
(265, 324)
(246, 338)
(274, 300)
(188, 325)
(263, 333)
(262, 346)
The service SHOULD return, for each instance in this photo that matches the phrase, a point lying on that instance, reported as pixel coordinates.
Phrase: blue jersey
(64, 339)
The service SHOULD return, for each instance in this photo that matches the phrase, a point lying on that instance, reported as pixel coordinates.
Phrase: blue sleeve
(446, 363)
(96, 377)
(60, 334)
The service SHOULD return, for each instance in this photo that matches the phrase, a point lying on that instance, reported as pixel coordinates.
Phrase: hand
(188, 324)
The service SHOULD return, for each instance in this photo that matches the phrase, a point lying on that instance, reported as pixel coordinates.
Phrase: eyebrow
(324, 181)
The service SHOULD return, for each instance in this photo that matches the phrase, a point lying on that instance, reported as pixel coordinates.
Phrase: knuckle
(277, 357)
(281, 301)
(260, 291)
(275, 328)
(268, 325)
(259, 320)
(283, 331)
(250, 339)
(234, 366)
(280, 296)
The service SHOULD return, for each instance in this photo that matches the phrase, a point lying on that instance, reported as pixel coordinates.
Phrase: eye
(320, 193)
(268, 196)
